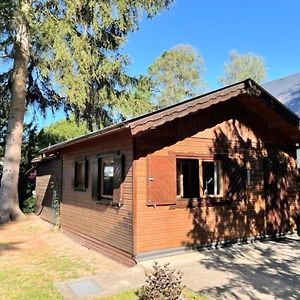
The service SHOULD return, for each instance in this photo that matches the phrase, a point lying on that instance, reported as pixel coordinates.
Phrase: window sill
(200, 202)
(79, 189)
(211, 196)
(106, 201)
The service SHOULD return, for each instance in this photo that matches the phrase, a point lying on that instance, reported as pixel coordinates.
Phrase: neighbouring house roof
(157, 118)
(40, 158)
(287, 90)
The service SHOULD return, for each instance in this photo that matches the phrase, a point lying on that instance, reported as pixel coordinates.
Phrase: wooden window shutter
(85, 172)
(118, 178)
(95, 179)
(161, 180)
(73, 175)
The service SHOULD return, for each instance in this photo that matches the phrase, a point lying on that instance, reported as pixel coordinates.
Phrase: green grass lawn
(31, 276)
(32, 258)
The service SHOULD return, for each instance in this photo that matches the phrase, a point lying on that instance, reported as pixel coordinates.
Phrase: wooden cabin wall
(48, 179)
(103, 227)
(231, 130)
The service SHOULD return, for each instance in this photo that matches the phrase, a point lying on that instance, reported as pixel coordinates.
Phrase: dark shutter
(73, 175)
(95, 179)
(118, 177)
(161, 180)
(85, 174)
(234, 179)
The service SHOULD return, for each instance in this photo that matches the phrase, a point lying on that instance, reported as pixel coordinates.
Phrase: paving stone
(84, 288)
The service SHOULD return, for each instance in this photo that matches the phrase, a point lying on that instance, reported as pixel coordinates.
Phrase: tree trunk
(9, 200)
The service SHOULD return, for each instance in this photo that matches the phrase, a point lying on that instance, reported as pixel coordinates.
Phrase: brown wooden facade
(249, 135)
(48, 187)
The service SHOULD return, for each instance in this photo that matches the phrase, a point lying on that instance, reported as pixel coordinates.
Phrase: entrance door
(275, 183)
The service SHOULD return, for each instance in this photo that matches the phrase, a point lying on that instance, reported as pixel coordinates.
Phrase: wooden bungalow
(217, 168)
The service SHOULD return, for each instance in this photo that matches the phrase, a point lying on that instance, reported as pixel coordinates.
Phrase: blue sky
(270, 28)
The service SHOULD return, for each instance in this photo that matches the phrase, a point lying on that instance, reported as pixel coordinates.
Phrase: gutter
(86, 137)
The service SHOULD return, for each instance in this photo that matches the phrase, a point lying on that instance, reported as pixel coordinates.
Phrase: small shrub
(29, 205)
(163, 283)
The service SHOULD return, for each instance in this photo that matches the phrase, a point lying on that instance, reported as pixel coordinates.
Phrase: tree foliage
(81, 42)
(75, 57)
(30, 149)
(243, 66)
(61, 131)
(139, 98)
(177, 75)
(63, 52)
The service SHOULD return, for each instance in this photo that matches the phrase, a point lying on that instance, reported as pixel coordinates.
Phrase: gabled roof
(157, 118)
(287, 90)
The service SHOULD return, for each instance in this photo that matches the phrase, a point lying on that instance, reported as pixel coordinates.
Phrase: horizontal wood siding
(226, 130)
(48, 178)
(97, 223)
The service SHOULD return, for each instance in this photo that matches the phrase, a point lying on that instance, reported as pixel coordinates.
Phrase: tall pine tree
(63, 52)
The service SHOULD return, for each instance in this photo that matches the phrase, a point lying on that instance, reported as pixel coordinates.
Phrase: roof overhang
(150, 121)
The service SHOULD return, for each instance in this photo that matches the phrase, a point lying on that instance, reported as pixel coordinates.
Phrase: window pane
(179, 178)
(208, 177)
(108, 177)
(188, 178)
(217, 178)
(298, 158)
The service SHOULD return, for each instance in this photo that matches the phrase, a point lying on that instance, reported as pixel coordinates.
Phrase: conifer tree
(63, 52)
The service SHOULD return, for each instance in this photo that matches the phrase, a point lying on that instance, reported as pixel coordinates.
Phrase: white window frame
(180, 194)
(217, 172)
(103, 160)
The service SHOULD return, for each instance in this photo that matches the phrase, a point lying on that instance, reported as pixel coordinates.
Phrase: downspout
(134, 200)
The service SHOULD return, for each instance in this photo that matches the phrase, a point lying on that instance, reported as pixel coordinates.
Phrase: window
(248, 173)
(187, 178)
(298, 155)
(211, 178)
(80, 175)
(107, 177)
(191, 172)
(248, 177)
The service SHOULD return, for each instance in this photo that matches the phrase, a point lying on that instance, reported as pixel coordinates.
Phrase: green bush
(162, 284)
(29, 205)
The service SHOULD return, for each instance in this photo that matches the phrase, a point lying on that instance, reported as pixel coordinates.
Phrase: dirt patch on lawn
(33, 236)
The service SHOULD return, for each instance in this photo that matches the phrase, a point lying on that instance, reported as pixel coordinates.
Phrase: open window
(210, 178)
(107, 176)
(80, 172)
(187, 178)
(190, 173)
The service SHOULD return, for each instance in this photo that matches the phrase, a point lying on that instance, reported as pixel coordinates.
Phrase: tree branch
(5, 56)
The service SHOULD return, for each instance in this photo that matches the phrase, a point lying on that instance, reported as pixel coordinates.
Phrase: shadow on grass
(260, 270)
(5, 247)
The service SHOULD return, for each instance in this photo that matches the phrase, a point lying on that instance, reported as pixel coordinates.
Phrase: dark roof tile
(287, 90)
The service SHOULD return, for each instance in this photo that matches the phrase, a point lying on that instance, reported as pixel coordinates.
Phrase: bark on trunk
(9, 200)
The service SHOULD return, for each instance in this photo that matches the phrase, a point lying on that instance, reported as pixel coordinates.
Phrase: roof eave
(154, 119)
(83, 138)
